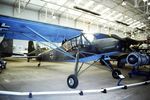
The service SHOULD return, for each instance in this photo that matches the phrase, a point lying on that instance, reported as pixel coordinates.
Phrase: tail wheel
(4, 66)
(72, 81)
(1, 67)
(116, 73)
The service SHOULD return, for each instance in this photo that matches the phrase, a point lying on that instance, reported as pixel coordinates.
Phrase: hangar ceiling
(130, 13)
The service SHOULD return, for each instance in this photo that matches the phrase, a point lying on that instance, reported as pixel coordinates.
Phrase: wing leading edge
(53, 33)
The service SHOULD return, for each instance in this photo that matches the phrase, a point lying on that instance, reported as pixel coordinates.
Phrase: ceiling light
(134, 24)
(53, 17)
(148, 3)
(119, 15)
(124, 3)
(105, 10)
(136, 4)
(128, 20)
(144, 0)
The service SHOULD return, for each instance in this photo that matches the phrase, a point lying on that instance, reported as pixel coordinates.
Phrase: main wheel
(102, 63)
(72, 81)
(116, 73)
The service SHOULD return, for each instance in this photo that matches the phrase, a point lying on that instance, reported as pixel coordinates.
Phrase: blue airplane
(75, 46)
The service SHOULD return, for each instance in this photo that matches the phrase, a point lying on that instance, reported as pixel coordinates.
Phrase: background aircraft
(6, 50)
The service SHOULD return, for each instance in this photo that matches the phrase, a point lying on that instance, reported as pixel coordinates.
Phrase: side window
(67, 45)
(74, 43)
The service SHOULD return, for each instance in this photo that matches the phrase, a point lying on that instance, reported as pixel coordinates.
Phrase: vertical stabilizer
(31, 48)
(6, 47)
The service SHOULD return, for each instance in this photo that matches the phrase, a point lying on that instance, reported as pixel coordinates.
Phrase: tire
(1, 68)
(116, 73)
(4, 66)
(72, 81)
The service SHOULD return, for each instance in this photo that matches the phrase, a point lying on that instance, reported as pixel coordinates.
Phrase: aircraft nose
(132, 59)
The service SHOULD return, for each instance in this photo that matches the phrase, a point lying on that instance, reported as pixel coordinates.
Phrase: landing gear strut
(115, 72)
(72, 80)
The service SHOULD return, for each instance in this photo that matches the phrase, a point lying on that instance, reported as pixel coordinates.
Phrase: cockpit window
(101, 36)
(75, 43)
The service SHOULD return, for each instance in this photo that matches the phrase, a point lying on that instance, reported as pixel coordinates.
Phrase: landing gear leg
(4, 65)
(115, 72)
(39, 64)
(72, 80)
(28, 59)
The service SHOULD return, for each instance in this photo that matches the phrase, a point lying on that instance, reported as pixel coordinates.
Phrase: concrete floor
(24, 76)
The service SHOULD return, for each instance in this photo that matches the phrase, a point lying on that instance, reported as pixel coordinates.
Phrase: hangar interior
(125, 18)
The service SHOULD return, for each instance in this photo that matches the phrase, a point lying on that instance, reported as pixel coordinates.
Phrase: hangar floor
(21, 75)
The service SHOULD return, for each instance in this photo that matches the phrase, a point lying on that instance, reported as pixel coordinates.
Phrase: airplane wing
(14, 56)
(18, 30)
(95, 57)
(127, 40)
(37, 31)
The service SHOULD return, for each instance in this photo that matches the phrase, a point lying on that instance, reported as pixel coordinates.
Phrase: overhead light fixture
(148, 3)
(144, 0)
(105, 10)
(136, 4)
(124, 2)
(128, 20)
(136, 23)
(122, 23)
(117, 16)
(86, 10)
(53, 17)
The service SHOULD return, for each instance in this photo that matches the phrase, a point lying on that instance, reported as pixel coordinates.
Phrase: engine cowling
(138, 59)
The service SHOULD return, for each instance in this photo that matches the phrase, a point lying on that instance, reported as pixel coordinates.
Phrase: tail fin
(31, 48)
(6, 47)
